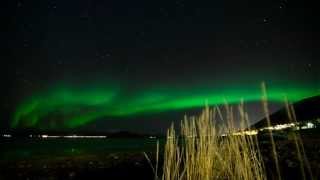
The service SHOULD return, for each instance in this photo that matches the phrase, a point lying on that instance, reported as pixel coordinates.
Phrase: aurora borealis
(74, 107)
(138, 66)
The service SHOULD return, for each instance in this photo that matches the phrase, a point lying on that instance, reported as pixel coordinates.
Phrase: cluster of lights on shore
(308, 125)
(278, 127)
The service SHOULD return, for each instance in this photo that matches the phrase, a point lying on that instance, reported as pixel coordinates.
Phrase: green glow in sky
(66, 107)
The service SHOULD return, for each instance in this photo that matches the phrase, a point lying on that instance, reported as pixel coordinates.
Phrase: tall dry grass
(304, 162)
(267, 115)
(200, 152)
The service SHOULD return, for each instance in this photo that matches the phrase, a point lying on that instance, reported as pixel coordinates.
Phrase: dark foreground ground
(76, 158)
(123, 164)
(109, 166)
(289, 162)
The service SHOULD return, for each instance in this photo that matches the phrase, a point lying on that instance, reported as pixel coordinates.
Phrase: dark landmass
(289, 162)
(305, 110)
(91, 166)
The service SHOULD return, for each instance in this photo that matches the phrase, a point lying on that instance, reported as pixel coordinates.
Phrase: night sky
(139, 65)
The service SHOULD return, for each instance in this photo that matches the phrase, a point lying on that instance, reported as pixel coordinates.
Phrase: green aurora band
(66, 107)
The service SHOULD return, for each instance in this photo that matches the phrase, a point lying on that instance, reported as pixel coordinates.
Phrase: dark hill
(306, 109)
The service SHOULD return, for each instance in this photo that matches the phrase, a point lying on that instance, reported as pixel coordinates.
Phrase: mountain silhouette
(305, 110)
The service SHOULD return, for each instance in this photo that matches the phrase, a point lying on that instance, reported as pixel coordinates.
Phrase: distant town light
(309, 125)
(279, 126)
(7, 135)
(45, 136)
(249, 132)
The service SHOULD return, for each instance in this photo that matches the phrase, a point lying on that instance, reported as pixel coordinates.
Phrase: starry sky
(139, 65)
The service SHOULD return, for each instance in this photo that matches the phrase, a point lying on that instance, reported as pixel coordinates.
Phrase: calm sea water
(34, 148)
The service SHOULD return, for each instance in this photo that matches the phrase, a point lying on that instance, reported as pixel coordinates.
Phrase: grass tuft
(203, 150)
